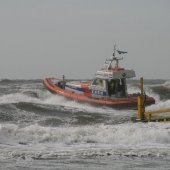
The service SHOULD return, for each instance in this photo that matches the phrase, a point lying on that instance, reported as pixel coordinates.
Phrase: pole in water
(141, 102)
(141, 85)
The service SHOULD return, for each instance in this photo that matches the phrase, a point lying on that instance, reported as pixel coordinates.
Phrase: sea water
(40, 130)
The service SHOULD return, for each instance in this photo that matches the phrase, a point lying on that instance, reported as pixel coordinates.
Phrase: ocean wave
(148, 91)
(130, 134)
(57, 115)
(16, 98)
(42, 102)
(85, 153)
(129, 140)
(162, 105)
(167, 84)
(36, 99)
(158, 91)
(163, 91)
(5, 81)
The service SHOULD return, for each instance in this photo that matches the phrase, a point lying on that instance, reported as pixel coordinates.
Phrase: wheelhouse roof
(111, 74)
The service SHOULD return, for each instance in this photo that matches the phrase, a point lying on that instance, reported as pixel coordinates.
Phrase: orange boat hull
(122, 103)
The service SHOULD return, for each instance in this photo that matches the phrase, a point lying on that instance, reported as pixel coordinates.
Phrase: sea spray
(128, 134)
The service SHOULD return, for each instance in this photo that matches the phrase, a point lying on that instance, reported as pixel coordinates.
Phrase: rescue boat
(108, 88)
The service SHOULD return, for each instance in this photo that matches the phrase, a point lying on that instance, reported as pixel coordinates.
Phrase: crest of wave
(167, 84)
(46, 97)
(49, 98)
(147, 89)
(161, 105)
(130, 134)
(16, 97)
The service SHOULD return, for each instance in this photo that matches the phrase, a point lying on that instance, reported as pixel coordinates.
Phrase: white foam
(141, 140)
(46, 97)
(150, 93)
(147, 89)
(167, 84)
(133, 89)
(161, 105)
(85, 107)
(15, 98)
(136, 134)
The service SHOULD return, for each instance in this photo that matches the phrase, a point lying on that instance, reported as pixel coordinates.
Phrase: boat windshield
(99, 83)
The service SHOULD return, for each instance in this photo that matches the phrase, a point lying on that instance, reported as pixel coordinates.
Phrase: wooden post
(141, 102)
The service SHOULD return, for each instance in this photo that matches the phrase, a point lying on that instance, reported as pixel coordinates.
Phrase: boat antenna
(114, 57)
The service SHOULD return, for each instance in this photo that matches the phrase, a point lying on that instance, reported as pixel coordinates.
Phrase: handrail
(158, 111)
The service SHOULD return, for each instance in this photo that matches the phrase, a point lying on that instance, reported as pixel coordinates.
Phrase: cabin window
(117, 87)
(99, 83)
(111, 87)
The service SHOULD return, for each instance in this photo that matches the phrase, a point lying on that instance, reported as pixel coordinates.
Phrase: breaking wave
(159, 106)
(39, 98)
(129, 134)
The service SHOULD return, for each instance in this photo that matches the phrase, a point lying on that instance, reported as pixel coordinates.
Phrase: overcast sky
(48, 38)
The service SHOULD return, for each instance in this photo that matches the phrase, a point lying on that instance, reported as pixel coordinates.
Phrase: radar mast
(114, 57)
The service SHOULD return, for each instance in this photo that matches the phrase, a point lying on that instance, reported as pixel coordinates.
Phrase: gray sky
(44, 38)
